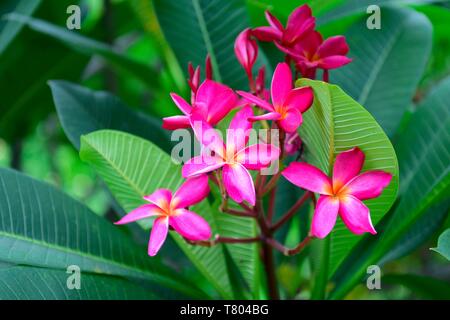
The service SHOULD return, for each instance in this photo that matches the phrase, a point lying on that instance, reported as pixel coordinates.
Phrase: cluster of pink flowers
(228, 163)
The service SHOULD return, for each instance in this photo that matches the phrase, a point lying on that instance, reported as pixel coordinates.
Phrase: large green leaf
(195, 28)
(443, 246)
(387, 64)
(336, 123)
(90, 47)
(354, 7)
(9, 29)
(421, 286)
(31, 283)
(425, 179)
(41, 226)
(82, 111)
(133, 167)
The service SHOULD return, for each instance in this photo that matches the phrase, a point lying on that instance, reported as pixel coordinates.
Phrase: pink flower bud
(246, 50)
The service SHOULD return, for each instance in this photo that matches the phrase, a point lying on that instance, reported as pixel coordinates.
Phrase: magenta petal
(273, 21)
(246, 50)
(176, 122)
(144, 211)
(161, 198)
(201, 164)
(181, 103)
(300, 98)
(281, 84)
(158, 235)
(258, 156)
(291, 121)
(300, 23)
(192, 191)
(346, 166)
(325, 216)
(206, 134)
(255, 100)
(355, 215)
(190, 225)
(368, 185)
(266, 34)
(218, 99)
(333, 46)
(239, 183)
(239, 130)
(307, 177)
(266, 116)
(334, 62)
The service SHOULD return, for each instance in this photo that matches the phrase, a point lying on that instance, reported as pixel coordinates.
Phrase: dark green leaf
(421, 286)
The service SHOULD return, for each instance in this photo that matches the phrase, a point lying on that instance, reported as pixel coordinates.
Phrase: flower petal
(201, 164)
(267, 34)
(346, 166)
(368, 185)
(181, 103)
(273, 21)
(246, 50)
(258, 156)
(266, 116)
(334, 62)
(158, 235)
(218, 99)
(307, 177)
(333, 46)
(355, 215)
(190, 225)
(176, 122)
(161, 198)
(325, 216)
(192, 191)
(300, 22)
(239, 183)
(255, 100)
(142, 212)
(238, 132)
(281, 84)
(206, 134)
(300, 98)
(291, 121)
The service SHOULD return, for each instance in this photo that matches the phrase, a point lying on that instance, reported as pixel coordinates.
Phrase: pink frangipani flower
(299, 24)
(312, 53)
(288, 103)
(234, 159)
(171, 210)
(213, 100)
(342, 194)
(246, 50)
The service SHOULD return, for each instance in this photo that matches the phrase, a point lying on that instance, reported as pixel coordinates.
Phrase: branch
(286, 251)
(291, 211)
(218, 239)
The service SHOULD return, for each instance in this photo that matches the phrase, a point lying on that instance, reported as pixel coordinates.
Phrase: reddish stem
(291, 211)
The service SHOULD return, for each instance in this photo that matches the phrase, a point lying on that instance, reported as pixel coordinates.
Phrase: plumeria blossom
(342, 194)
(288, 103)
(312, 52)
(246, 50)
(194, 76)
(213, 101)
(292, 143)
(234, 159)
(170, 210)
(299, 24)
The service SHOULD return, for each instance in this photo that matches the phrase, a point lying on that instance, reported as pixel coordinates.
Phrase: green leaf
(31, 283)
(354, 7)
(421, 286)
(443, 246)
(337, 123)
(90, 47)
(41, 226)
(10, 29)
(133, 167)
(82, 111)
(195, 28)
(425, 178)
(387, 64)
